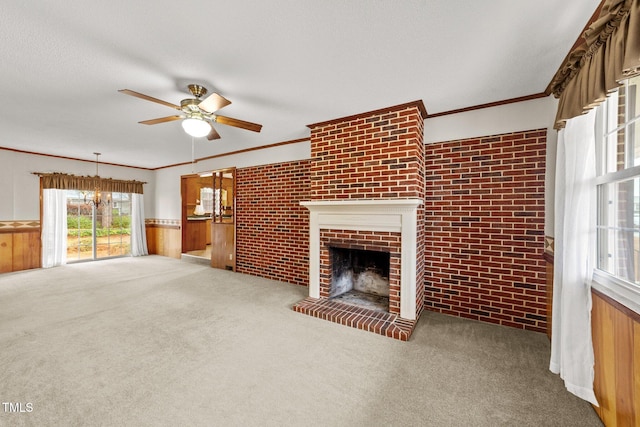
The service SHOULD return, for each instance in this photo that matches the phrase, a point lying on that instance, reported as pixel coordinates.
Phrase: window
(206, 199)
(618, 187)
(101, 232)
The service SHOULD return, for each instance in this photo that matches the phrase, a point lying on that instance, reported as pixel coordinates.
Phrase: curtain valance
(63, 181)
(611, 53)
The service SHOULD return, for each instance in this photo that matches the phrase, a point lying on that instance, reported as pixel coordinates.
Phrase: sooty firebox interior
(360, 277)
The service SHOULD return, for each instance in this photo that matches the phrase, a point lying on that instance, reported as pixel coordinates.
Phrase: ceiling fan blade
(160, 120)
(213, 103)
(148, 98)
(239, 123)
(213, 134)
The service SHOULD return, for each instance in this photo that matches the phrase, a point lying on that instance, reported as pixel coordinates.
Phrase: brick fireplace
(367, 192)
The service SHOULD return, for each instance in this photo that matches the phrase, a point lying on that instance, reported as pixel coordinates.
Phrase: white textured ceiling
(284, 64)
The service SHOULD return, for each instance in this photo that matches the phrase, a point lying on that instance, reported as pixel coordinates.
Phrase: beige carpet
(155, 341)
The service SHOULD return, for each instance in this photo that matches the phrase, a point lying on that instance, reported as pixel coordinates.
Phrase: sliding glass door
(98, 231)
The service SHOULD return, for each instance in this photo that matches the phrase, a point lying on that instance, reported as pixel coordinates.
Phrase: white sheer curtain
(54, 227)
(575, 198)
(138, 232)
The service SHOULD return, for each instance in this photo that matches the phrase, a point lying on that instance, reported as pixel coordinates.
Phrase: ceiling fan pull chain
(193, 160)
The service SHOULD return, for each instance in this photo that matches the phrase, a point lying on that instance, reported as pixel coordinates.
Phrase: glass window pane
(615, 204)
(626, 257)
(633, 110)
(79, 227)
(633, 113)
(206, 199)
(115, 227)
(614, 145)
(619, 228)
(633, 132)
(605, 237)
(112, 226)
(612, 108)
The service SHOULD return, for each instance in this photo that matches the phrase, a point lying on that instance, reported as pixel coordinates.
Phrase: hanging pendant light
(96, 200)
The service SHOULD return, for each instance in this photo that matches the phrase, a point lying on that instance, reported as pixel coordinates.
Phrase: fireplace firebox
(360, 277)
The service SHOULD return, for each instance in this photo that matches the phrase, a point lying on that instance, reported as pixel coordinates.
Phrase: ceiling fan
(197, 114)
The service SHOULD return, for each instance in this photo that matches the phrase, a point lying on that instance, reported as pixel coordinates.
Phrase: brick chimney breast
(375, 155)
(367, 190)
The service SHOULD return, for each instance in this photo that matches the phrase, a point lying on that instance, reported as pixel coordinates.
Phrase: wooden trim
(418, 104)
(41, 200)
(618, 306)
(19, 230)
(21, 222)
(168, 227)
(549, 273)
(41, 216)
(231, 153)
(72, 158)
(184, 182)
(245, 150)
(579, 42)
(488, 105)
(548, 257)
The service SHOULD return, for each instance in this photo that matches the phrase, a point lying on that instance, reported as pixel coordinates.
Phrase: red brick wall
(483, 223)
(272, 229)
(369, 156)
(485, 229)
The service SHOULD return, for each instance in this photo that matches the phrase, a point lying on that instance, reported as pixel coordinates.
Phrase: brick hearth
(387, 324)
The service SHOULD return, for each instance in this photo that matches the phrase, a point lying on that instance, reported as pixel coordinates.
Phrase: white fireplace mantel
(391, 215)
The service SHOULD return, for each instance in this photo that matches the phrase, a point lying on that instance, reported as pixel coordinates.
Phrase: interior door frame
(220, 223)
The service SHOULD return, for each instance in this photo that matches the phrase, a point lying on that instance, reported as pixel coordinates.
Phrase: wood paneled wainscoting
(164, 237)
(548, 257)
(19, 245)
(616, 346)
(615, 331)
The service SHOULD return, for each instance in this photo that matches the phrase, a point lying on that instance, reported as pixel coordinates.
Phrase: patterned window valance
(63, 181)
(610, 53)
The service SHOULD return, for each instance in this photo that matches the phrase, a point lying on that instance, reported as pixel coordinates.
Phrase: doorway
(208, 218)
(95, 232)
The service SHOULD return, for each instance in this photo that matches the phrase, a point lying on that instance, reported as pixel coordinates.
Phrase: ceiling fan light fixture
(196, 127)
(197, 114)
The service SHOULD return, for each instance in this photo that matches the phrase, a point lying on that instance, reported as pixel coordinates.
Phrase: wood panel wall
(615, 331)
(19, 249)
(164, 239)
(548, 257)
(616, 345)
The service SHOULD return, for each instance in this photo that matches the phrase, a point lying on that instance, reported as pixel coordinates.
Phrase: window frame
(114, 198)
(614, 286)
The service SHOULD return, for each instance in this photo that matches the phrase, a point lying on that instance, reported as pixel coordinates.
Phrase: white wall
(20, 189)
